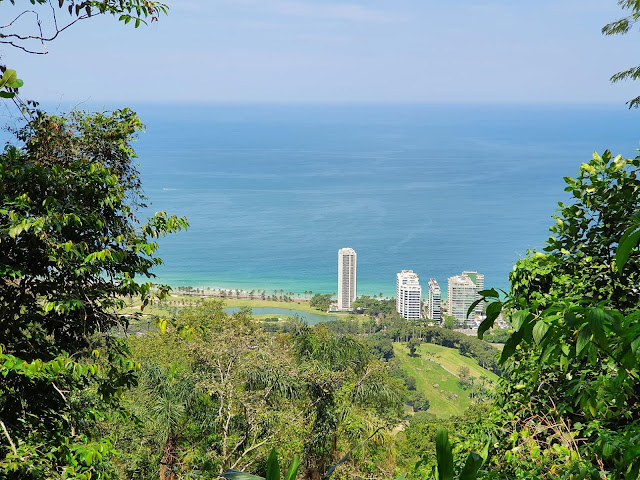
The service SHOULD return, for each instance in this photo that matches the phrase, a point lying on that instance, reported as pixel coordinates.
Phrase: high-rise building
(478, 280)
(462, 292)
(346, 278)
(433, 305)
(408, 295)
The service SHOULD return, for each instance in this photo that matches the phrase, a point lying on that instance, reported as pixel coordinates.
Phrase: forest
(204, 394)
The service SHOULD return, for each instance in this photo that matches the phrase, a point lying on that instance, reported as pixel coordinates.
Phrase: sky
(332, 51)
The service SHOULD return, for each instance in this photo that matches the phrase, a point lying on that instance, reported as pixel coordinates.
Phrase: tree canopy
(71, 249)
(623, 26)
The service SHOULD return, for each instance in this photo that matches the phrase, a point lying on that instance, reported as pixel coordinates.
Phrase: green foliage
(419, 402)
(623, 26)
(413, 344)
(445, 464)
(374, 307)
(573, 358)
(449, 322)
(71, 248)
(351, 393)
(444, 455)
(273, 470)
(381, 347)
(321, 302)
(9, 82)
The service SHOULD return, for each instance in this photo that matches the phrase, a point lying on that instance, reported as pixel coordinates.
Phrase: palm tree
(171, 395)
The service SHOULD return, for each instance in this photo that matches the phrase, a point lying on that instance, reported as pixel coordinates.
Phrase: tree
(413, 344)
(320, 301)
(43, 24)
(622, 27)
(72, 249)
(573, 358)
(170, 395)
(449, 322)
(419, 402)
(345, 387)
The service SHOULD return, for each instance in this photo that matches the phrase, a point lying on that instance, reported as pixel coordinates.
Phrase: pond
(311, 318)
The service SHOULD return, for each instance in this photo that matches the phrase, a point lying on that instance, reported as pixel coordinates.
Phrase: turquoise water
(310, 318)
(272, 192)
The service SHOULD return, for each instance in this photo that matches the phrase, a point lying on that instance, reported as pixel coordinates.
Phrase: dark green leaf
(493, 312)
(293, 468)
(492, 293)
(627, 243)
(444, 455)
(583, 339)
(471, 467)
(540, 330)
(518, 319)
(273, 467)
(237, 475)
(473, 306)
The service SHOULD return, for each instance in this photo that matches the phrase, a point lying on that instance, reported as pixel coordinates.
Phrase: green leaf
(17, 84)
(540, 330)
(493, 311)
(444, 455)
(628, 242)
(8, 78)
(7, 94)
(518, 319)
(583, 339)
(15, 231)
(492, 293)
(273, 467)
(293, 468)
(237, 475)
(471, 467)
(473, 305)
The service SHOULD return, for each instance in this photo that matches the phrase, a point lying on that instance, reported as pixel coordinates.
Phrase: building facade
(434, 307)
(347, 269)
(462, 292)
(408, 295)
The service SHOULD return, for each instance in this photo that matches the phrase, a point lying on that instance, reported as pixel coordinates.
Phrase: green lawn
(451, 360)
(441, 370)
(300, 306)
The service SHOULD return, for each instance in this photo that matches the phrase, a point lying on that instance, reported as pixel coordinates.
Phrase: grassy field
(299, 306)
(437, 365)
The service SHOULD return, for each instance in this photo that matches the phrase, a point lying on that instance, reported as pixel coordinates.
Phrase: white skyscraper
(478, 280)
(463, 291)
(434, 307)
(346, 278)
(408, 295)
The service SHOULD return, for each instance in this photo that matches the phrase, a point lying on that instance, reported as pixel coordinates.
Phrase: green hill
(436, 371)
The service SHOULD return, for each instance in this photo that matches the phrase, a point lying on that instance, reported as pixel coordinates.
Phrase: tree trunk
(169, 459)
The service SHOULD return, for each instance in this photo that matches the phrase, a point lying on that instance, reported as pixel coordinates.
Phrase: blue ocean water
(272, 192)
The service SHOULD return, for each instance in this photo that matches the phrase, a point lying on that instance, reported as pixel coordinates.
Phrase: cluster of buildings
(462, 292)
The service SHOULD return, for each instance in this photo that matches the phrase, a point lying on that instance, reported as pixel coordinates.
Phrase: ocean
(272, 192)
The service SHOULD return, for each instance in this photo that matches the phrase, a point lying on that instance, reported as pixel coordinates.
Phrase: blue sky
(330, 51)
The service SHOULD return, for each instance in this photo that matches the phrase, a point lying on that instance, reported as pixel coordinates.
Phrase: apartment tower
(463, 291)
(346, 278)
(408, 295)
(433, 305)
